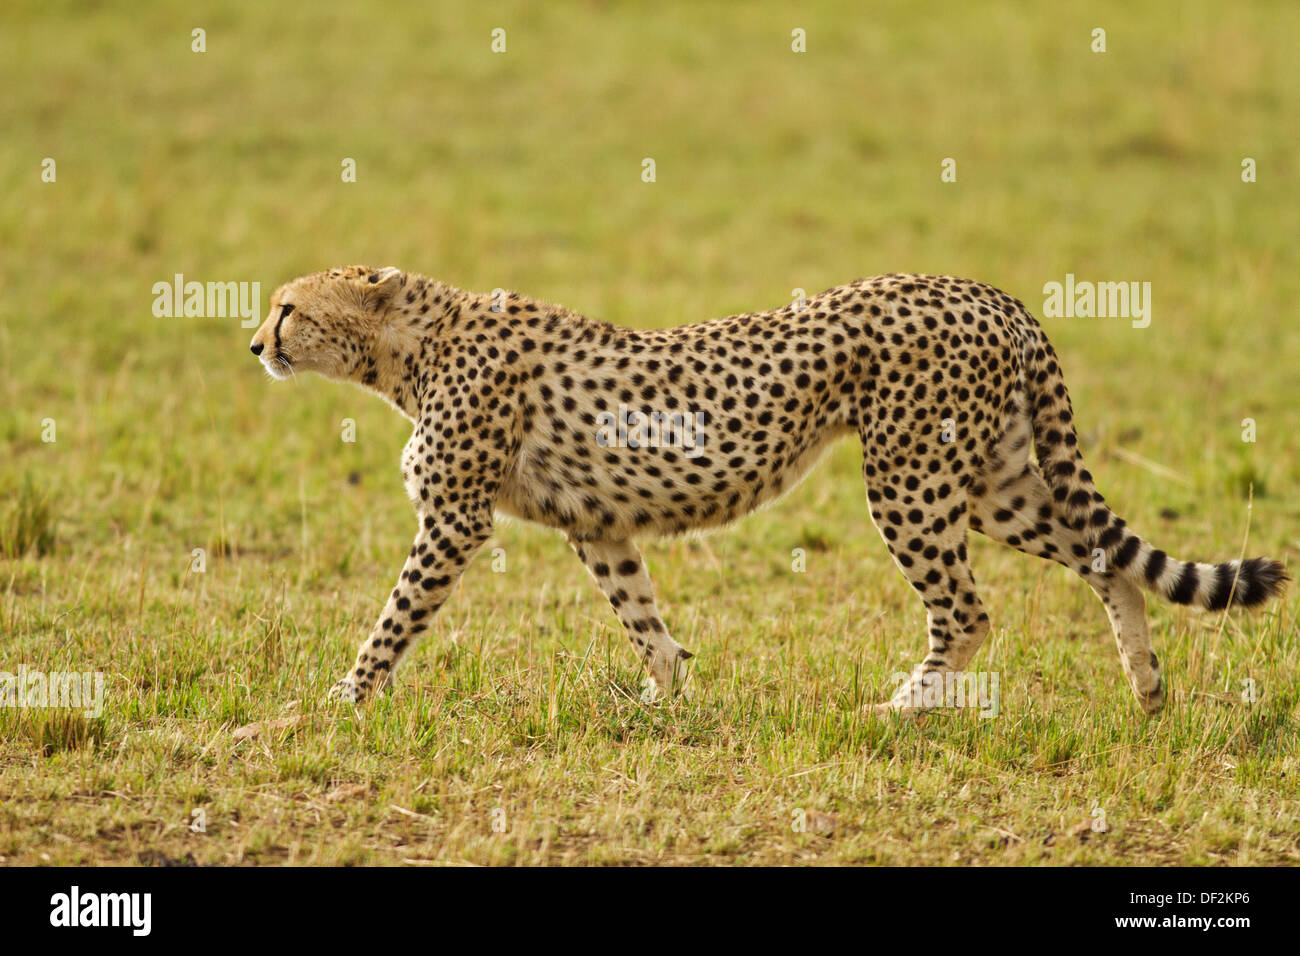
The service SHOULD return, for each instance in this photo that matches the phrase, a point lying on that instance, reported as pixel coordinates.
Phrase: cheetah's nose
(256, 348)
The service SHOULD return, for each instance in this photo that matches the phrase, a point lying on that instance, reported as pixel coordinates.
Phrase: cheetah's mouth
(278, 366)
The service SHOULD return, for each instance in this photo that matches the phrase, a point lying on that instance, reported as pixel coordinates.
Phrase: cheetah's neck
(393, 360)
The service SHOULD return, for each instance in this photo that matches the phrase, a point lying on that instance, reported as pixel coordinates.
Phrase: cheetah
(946, 382)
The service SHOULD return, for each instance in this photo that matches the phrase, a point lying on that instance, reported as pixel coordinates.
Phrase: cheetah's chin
(278, 368)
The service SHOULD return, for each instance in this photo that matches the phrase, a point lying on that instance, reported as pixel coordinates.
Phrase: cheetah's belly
(629, 492)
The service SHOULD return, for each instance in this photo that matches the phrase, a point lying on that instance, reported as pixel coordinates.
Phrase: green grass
(775, 171)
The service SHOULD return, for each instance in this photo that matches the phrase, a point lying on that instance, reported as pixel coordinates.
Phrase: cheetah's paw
(652, 692)
(348, 689)
(904, 704)
(669, 677)
(668, 687)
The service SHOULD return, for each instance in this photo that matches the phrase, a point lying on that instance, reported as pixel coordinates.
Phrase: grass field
(516, 735)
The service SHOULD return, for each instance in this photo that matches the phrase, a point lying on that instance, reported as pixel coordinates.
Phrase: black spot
(1124, 557)
(1225, 576)
(1185, 589)
(1155, 565)
(1110, 536)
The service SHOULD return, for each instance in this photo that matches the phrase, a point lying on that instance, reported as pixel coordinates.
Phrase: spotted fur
(946, 382)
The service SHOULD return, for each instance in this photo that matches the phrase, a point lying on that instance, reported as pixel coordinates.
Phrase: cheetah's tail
(1078, 503)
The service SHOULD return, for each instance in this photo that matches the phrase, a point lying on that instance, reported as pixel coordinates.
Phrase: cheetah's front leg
(622, 575)
(444, 547)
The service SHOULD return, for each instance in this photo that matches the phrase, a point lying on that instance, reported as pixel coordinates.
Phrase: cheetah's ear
(380, 286)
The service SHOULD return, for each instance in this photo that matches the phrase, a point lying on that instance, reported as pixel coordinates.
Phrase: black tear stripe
(1185, 589)
(279, 322)
(1226, 575)
(1155, 565)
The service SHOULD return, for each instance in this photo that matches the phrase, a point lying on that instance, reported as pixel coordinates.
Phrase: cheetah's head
(326, 322)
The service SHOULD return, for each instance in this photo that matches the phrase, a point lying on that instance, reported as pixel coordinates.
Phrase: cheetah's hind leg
(1012, 504)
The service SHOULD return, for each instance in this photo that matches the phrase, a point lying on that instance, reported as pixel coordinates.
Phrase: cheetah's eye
(285, 310)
